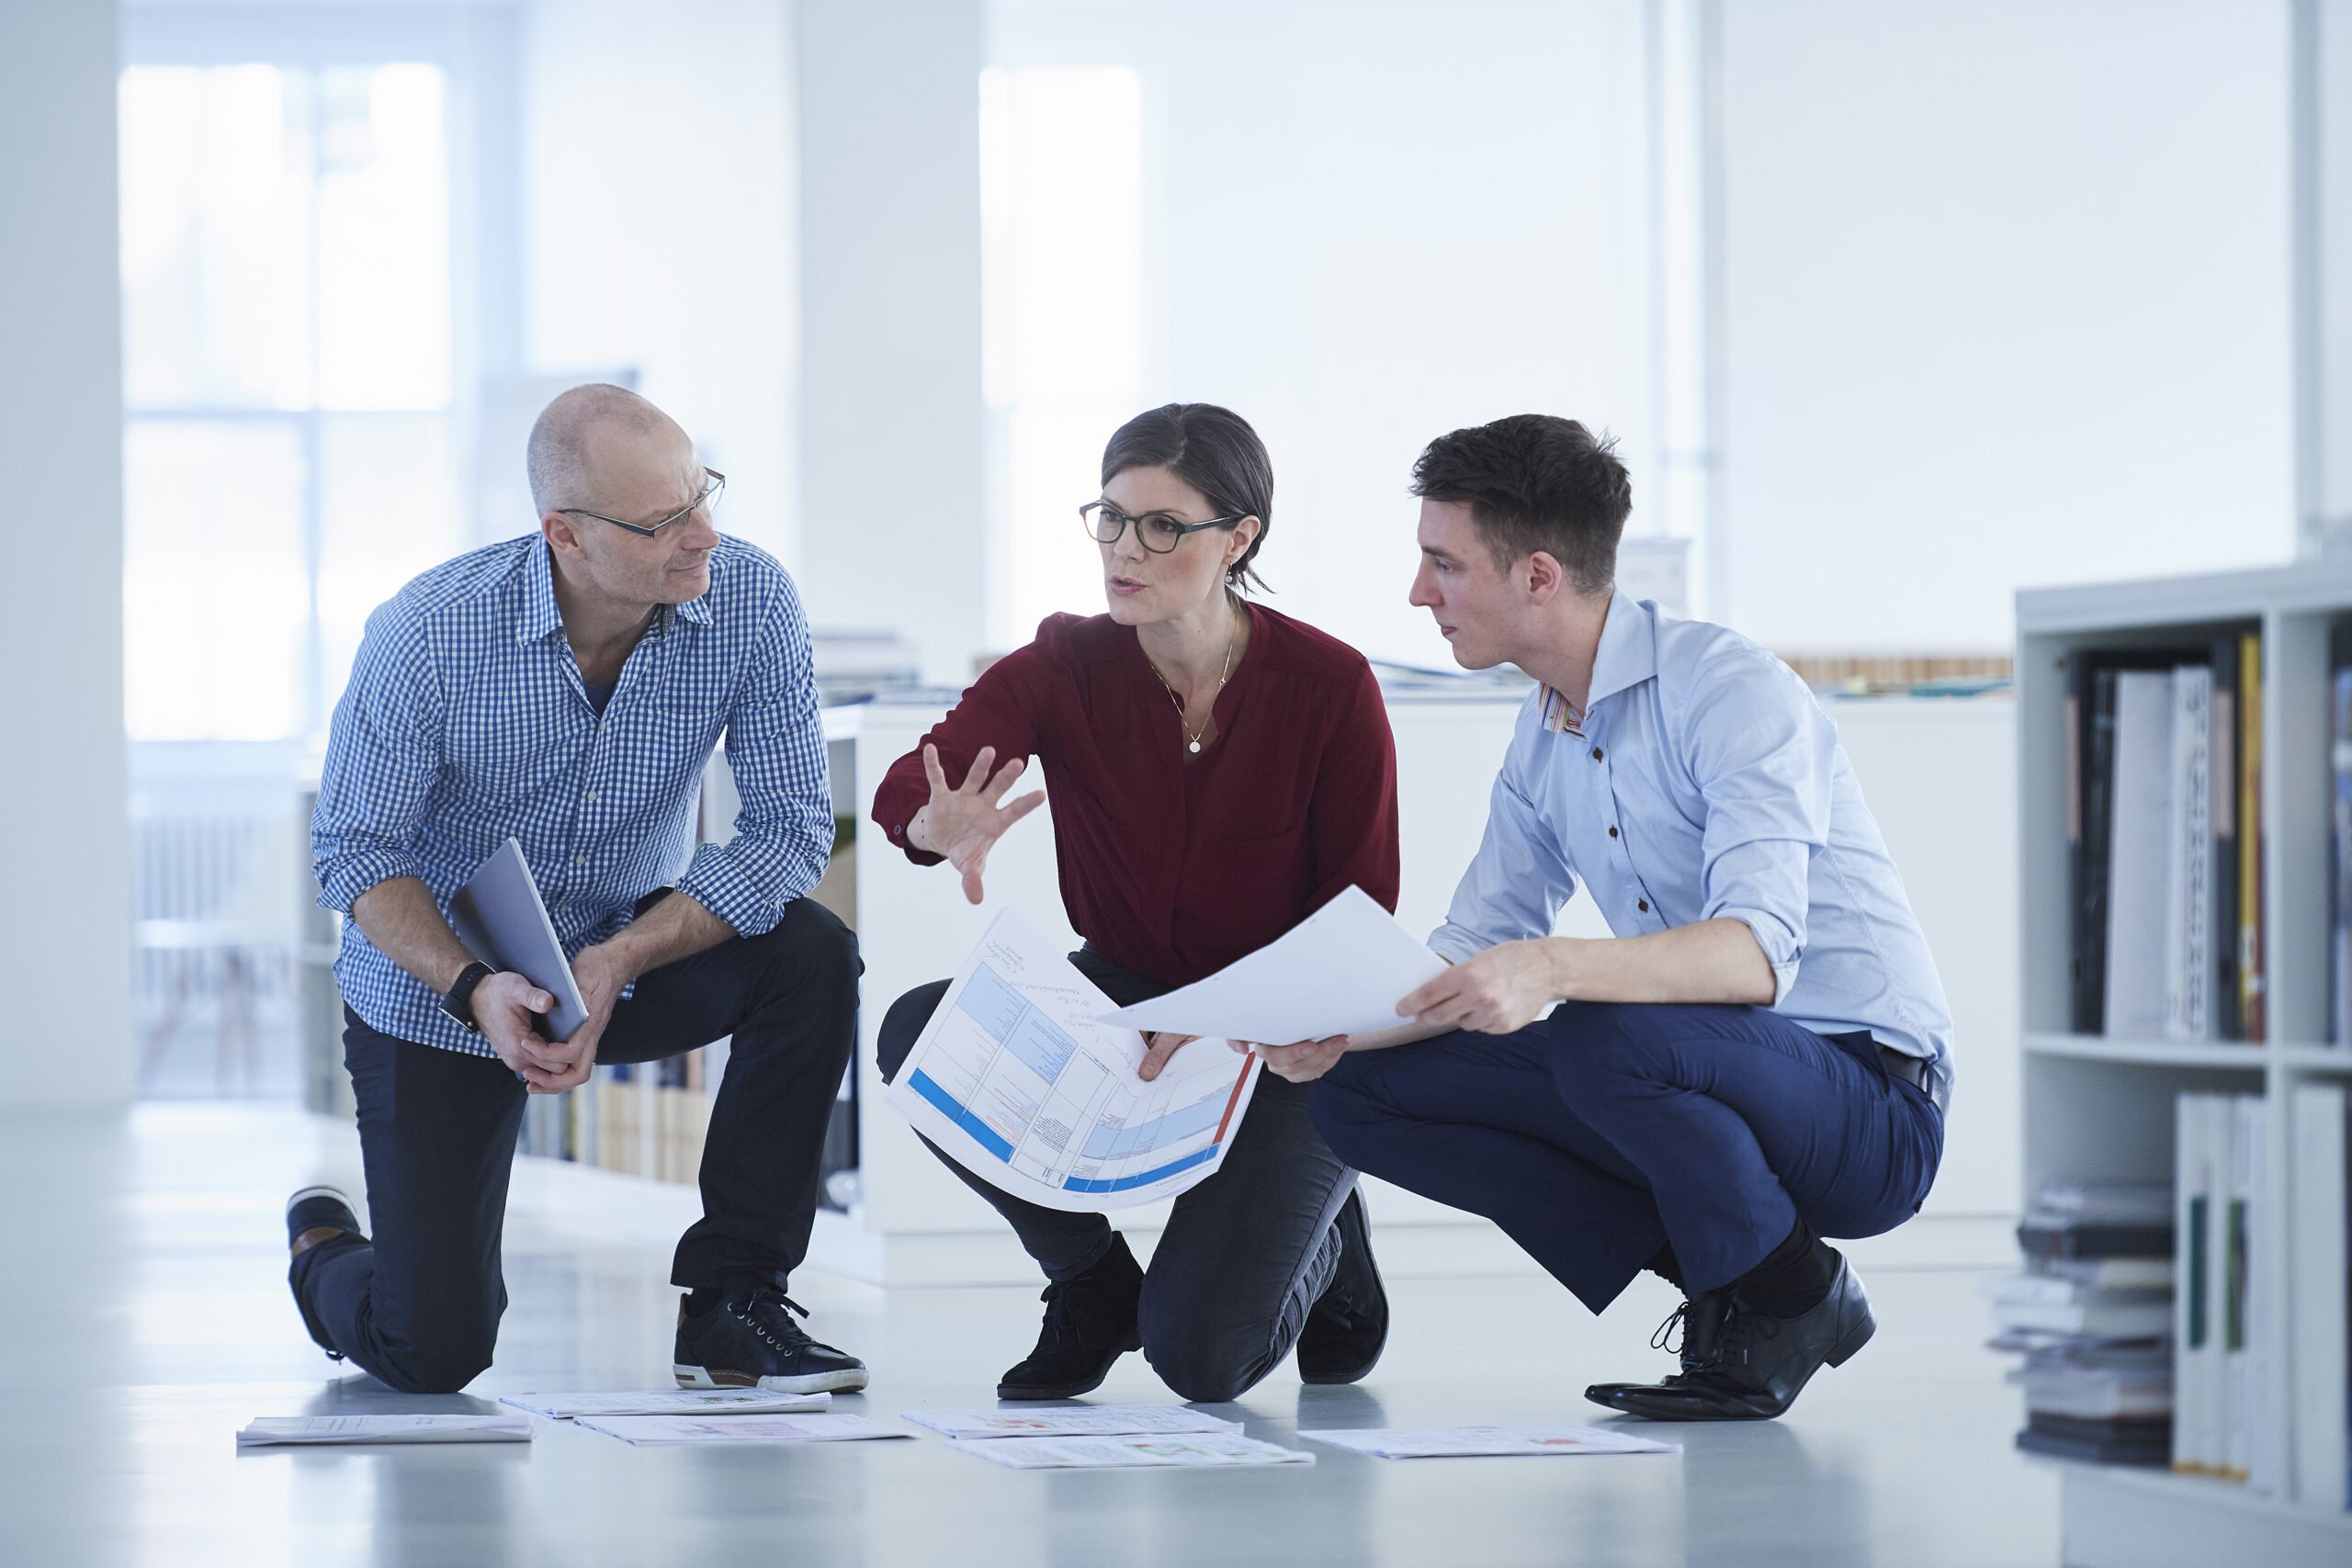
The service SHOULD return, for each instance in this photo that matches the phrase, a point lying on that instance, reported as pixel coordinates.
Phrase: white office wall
(1366, 224)
(657, 231)
(65, 921)
(2007, 304)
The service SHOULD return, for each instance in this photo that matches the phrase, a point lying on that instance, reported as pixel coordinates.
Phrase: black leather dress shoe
(1739, 1364)
(1348, 1326)
(1090, 1324)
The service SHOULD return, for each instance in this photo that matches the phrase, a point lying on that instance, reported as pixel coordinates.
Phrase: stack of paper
(667, 1402)
(650, 1430)
(306, 1430)
(1463, 1442)
(1198, 1448)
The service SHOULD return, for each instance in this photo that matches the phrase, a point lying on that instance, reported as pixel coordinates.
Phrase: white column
(2322, 101)
(64, 918)
(891, 518)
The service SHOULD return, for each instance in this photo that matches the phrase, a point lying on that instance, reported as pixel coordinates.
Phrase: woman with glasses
(1220, 772)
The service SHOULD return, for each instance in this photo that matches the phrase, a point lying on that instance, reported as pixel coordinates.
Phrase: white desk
(1940, 775)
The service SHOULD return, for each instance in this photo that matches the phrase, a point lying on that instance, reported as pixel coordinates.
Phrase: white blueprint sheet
(661, 1430)
(1341, 971)
(1069, 1421)
(1463, 1442)
(667, 1402)
(1216, 1450)
(1017, 1078)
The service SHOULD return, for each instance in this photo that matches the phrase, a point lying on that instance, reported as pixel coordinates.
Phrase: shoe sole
(849, 1379)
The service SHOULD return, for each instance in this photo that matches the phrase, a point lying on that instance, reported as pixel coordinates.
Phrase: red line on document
(1240, 1081)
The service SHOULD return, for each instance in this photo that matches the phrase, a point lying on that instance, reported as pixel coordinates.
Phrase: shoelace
(1674, 1333)
(744, 1311)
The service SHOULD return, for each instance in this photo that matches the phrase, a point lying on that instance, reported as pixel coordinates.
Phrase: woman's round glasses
(713, 482)
(1158, 532)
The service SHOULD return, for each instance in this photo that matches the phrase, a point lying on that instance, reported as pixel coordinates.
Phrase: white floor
(143, 1318)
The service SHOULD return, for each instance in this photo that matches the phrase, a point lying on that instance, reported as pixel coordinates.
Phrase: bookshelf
(2102, 1109)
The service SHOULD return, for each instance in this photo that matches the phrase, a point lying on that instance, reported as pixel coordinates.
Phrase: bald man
(565, 689)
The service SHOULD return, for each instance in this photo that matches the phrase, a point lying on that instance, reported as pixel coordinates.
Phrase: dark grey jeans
(1246, 1253)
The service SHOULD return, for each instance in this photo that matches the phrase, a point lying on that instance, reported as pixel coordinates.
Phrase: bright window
(288, 372)
(1061, 230)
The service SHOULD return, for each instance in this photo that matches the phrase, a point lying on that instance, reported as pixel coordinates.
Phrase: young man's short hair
(1535, 482)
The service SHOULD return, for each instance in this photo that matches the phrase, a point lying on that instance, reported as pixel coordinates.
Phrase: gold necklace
(1193, 738)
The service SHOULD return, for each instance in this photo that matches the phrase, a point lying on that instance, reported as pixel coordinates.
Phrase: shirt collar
(1628, 653)
(1627, 657)
(541, 615)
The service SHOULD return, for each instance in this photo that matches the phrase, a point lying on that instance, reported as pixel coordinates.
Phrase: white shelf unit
(2103, 1109)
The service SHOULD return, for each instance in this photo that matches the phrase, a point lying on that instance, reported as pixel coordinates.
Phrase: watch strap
(460, 1001)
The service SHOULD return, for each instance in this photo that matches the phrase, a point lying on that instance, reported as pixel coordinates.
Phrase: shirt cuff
(1778, 946)
(718, 882)
(348, 876)
(1456, 943)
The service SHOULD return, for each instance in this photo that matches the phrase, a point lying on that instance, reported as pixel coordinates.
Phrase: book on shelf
(2224, 1421)
(2161, 747)
(2319, 1293)
(2339, 945)
(2142, 1442)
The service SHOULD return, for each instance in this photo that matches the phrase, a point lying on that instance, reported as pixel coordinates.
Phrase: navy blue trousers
(1596, 1134)
(417, 1303)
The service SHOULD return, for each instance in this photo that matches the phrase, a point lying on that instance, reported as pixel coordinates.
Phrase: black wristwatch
(460, 1003)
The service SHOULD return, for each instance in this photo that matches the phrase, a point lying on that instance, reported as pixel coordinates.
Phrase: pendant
(1197, 748)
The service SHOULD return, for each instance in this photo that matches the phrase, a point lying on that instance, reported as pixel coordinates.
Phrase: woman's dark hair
(1214, 450)
(1535, 483)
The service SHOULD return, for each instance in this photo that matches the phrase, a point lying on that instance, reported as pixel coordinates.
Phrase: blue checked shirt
(466, 722)
(1703, 782)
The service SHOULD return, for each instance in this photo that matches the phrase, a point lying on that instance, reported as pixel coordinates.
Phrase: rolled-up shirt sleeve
(1514, 889)
(1764, 757)
(383, 759)
(775, 747)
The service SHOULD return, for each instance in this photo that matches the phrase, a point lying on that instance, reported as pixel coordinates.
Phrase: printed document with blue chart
(1019, 1081)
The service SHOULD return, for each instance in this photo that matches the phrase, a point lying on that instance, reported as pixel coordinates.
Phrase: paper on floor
(267, 1430)
(667, 1402)
(1018, 1081)
(1069, 1421)
(1341, 971)
(1202, 1450)
(1461, 1442)
(653, 1429)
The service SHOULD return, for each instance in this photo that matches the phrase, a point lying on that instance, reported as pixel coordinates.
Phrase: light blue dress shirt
(1705, 782)
(466, 722)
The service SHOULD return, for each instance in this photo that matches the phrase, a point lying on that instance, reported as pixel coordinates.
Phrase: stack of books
(2092, 1311)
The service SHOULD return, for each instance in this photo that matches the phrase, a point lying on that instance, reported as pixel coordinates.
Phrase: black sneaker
(1348, 1326)
(1090, 1324)
(750, 1341)
(316, 1216)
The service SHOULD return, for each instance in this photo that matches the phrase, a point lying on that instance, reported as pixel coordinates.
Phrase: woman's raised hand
(962, 823)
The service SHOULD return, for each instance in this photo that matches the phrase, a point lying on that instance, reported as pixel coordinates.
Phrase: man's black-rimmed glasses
(713, 483)
(1159, 532)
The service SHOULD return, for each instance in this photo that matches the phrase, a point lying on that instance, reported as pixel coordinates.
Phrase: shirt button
(583, 860)
(1612, 832)
(591, 797)
(1643, 905)
(1596, 753)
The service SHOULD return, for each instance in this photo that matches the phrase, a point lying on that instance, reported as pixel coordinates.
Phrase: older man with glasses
(565, 689)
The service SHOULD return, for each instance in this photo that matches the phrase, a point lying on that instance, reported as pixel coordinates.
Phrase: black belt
(1919, 1074)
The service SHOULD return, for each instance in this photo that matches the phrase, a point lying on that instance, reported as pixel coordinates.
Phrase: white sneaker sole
(849, 1379)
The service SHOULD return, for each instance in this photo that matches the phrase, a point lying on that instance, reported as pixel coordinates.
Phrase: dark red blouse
(1169, 867)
